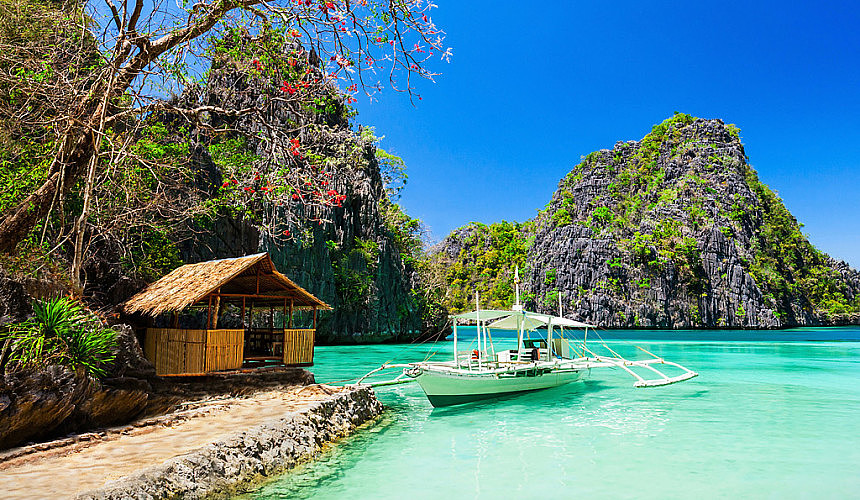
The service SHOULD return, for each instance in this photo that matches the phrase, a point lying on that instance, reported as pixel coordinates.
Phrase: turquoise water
(766, 418)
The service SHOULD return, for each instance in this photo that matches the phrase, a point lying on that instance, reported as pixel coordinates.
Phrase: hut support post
(209, 313)
(175, 322)
(243, 313)
(315, 317)
(291, 314)
(218, 307)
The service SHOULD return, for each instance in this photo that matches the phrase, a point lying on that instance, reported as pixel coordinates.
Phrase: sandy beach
(69, 470)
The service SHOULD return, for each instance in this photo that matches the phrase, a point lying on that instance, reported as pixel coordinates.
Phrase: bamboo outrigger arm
(622, 363)
(404, 378)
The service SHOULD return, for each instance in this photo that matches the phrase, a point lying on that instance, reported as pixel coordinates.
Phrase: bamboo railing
(299, 346)
(176, 351)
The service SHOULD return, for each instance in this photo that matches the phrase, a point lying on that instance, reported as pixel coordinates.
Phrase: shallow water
(771, 415)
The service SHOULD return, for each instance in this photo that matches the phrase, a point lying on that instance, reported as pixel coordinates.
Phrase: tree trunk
(21, 219)
(79, 145)
(4, 355)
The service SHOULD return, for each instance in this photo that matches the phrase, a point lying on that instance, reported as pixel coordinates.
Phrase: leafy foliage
(62, 332)
(486, 263)
(786, 264)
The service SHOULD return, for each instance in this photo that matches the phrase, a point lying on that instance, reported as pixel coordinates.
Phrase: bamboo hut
(252, 284)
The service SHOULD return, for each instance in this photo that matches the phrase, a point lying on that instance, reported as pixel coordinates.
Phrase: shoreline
(217, 449)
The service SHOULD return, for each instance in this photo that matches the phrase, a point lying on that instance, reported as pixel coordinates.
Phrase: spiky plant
(62, 332)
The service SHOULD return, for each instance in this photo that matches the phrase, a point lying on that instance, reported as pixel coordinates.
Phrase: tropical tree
(81, 73)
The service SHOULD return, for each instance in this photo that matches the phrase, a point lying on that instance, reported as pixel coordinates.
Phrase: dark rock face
(676, 231)
(55, 401)
(346, 255)
(33, 403)
(14, 301)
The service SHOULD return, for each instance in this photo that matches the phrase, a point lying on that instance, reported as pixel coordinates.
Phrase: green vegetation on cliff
(674, 230)
(787, 264)
(485, 260)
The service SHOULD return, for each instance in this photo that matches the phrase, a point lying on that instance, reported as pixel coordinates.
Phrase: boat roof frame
(502, 319)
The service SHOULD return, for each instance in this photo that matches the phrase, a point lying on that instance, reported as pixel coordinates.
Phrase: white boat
(538, 362)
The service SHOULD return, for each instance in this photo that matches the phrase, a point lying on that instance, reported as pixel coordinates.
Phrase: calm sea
(771, 415)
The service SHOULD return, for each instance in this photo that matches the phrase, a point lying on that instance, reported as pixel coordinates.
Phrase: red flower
(294, 147)
(287, 233)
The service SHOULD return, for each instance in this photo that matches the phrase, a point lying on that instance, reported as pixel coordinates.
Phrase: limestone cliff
(356, 254)
(673, 231)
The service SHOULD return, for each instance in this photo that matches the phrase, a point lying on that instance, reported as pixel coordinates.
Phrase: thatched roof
(253, 277)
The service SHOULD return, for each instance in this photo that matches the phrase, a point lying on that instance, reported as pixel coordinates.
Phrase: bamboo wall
(176, 351)
(299, 346)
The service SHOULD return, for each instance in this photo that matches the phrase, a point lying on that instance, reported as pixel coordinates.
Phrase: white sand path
(65, 472)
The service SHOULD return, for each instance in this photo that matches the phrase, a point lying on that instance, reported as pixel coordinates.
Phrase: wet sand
(65, 472)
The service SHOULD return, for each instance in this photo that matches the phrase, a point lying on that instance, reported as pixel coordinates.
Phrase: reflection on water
(764, 418)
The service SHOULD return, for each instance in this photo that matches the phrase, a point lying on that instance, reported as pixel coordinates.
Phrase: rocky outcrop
(40, 403)
(350, 261)
(236, 464)
(674, 231)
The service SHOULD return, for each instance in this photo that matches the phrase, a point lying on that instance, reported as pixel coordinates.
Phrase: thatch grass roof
(253, 277)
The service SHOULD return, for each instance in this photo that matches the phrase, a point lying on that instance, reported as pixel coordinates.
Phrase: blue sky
(535, 85)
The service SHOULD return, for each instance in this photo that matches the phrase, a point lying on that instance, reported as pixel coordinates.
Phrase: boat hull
(449, 388)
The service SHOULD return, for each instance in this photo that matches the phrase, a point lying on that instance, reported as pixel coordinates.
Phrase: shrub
(62, 332)
(562, 217)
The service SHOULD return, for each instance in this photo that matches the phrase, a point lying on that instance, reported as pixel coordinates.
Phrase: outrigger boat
(536, 363)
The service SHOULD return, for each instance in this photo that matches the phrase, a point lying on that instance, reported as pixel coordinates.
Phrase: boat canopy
(511, 320)
(484, 315)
